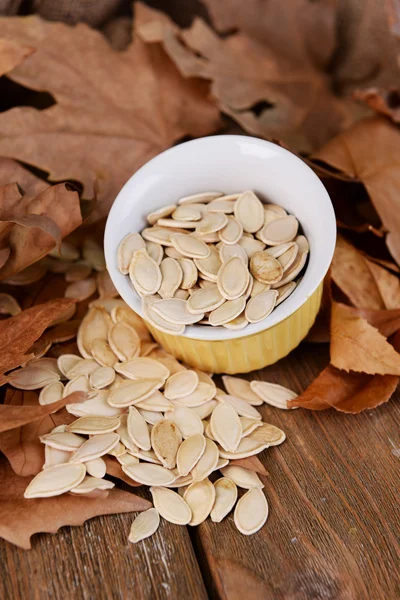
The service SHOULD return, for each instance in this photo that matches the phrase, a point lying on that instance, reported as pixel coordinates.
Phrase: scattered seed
(242, 389)
(95, 447)
(143, 368)
(190, 452)
(207, 463)
(144, 273)
(171, 506)
(181, 384)
(268, 434)
(226, 427)
(55, 481)
(51, 393)
(265, 268)
(246, 447)
(272, 393)
(124, 341)
(94, 425)
(96, 467)
(225, 498)
(89, 484)
(138, 429)
(103, 354)
(101, 377)
(149, 474)
(260, 306)
(133, 392)
(144, 525)
(249, 211)
(243, 478)
(200, 496)
(165, 441)
(251, 511)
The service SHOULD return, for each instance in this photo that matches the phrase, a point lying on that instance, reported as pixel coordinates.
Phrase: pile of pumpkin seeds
(168, 426)
(214, 259)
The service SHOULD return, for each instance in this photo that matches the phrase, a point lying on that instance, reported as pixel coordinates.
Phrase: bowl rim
(308, 287)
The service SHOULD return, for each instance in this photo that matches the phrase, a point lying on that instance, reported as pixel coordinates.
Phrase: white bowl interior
(228, 163)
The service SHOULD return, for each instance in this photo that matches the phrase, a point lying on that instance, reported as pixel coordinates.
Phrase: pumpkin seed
(95, 325)
(259, 307)
(211, 222)
(77, 384)
(280, 230)
(127, 459)
(259, 287)
(96, 467)
(272, 393)
(243, 478)
(189, 212)
(162, 212)
(55, 480)
(233, 278)
(249, 211)
(265, 268)
(268, 434)
(80, 290)
(251, 511)
(200, 496)
(142, 368)
(150, 416)
(53, 456)
(171, 277)
(66, 362)
(205, 299)
(127, 247)
(144, 273)
(155, 251)
(203, 197)
(207, 463)
(204, 410)
(92, 425)
(158, 235)
(171, 506)
(209, 266)
(63, 440)
(190, 452)
(226, 427)
(190, 246)
(225, 498)
(249, 425)
(98, 405)
(146, 456)
(302, 243)
(138, 429)
(144, 525)
(250, 245)
(228, 251)
(175, 311)
(124, 435)
(132, 392)
(288, 257)
(246, 447)
(89, 484)
(95, 447)
(149, 474)
(51, 393)
(280, 249)
(241, 389)
(227, 312)
(181, 384)
(103, 354)
(124, 341)
(156, 402)
(232, 232)
(101, 377)
(85, 366)
(93, 254)
(294, 270)
(202, 394)
(189, 273)
(165, 441)
(31, 378)
(284, 291)
(238, 323)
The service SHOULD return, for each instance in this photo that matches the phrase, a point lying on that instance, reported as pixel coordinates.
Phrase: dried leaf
(252, 463)
(13, 416)
(346, 392)
(131, 104)
(21, 445)
(32, 226)
(244, 74)
(370, 151)
(18, 333)
(11, 55)
(21, 518)
(385, 102)
(114, 470)
(358, 346)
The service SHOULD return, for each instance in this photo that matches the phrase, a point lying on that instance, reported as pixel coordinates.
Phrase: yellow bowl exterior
(246, 353)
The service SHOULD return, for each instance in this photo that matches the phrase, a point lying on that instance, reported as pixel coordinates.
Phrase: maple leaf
(18, 333)
(264, 90)
(370, 152)
(114, 110)
(20, 518)
(358, 346)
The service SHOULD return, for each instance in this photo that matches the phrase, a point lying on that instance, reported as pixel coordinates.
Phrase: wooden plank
(96, 561)
(333, 529)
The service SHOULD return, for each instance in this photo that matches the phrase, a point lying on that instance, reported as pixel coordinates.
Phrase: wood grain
(332, 533)
(333, 529)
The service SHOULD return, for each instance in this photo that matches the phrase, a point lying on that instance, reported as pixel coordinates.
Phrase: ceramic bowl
(231, 163)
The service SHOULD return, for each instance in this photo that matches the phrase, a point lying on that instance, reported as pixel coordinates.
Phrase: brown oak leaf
(12, 54)
(31, 226)
(358, 346)
(385, 102)
(20, 518)
(114, 110)
(346, 392)
(21, 445)
(365, 283)
(265, 91)
(19, 333)
(370, 152)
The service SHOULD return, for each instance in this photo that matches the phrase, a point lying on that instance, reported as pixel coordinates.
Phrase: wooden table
(332, 533)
